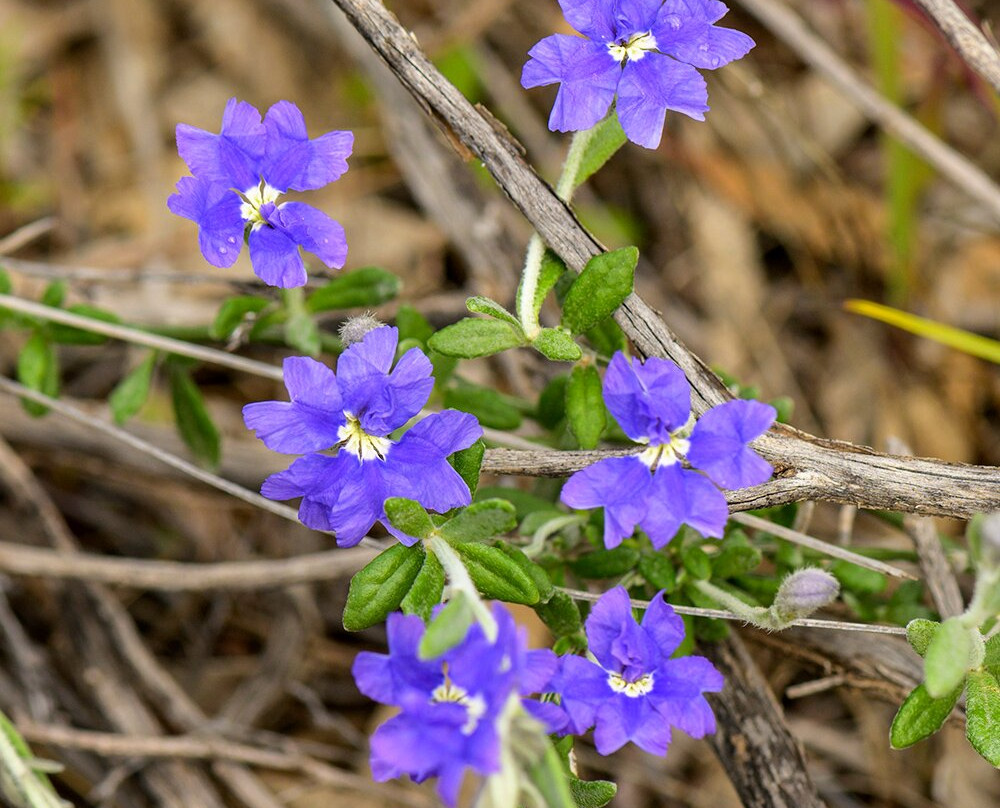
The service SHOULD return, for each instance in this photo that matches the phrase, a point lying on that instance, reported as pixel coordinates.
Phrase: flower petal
(664, 625)
(275, 258)
(618, 484)
(231, 157)
(616, 640)
(583, 688)
(362, 368)
(586, 72)
(684, 30)
(649, 400)
(310, 421)
(448, 430)
(355, 505)
(719, 443)
(294, 161)
(393, 399)
(652, 85)
(592, 18)
(216, 211)
(635, 16)
(312, 230)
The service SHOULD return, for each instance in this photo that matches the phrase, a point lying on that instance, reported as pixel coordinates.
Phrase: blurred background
(754, 228)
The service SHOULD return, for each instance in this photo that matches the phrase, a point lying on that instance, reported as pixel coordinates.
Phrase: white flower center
(634, 49)
(254, 200)
(449, 692)
(665, 454)
(358, 442)
(640, 687)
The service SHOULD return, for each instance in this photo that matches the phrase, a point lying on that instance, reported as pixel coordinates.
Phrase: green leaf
(557, 345)
(427, 588)
(965, 341)
(605, 139)
(54, 294)
(496, 575)
(552, 402)
(408, 516)
(6, 287)
(448, 629)
(560, 614)
(233, 312)
(413, 325)
(599, 290)
(368, 286)
(468, 462)
(607, 337)
(920, 716)
(585, 406)
(982, 707)
(491, 409)
(592, 793)
(551, 271)
(472, 337)
(606, 563)
(534, 571)
(919, 634)
(991, 659)
(697, 562)
(735, 560)
(38, 369)
(379, 587)
(194, 423)
(480, 521)
(658, 570)
(68, 335)
(947, 659)
(132, 391)
(478, 304)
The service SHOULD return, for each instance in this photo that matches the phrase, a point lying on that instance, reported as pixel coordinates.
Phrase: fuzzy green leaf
(920, 716)
(560, 614)
(408, 516)
(448, 629)
(69, 335)
(379, 587)
(478, 304)
(947, 659)
(982, 706)
(233, 312)
(489, 408)
(919, 634)
(473, 337)
(496, 575)
(468, 462)
(606, 563)
(38, 369)
(480, 521)
(585, 405)
(557, 345)
(599, 290)
(194, 423)
(658, 570)
(426, 590)
(605, 139)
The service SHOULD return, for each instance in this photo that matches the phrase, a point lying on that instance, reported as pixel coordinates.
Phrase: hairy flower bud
(354, 329)
(803, 592)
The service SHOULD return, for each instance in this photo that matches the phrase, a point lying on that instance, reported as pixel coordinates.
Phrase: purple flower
(643, 51)
(239, 175)
(652, 403)
(354, 411)
(450, 705)
(634, 691)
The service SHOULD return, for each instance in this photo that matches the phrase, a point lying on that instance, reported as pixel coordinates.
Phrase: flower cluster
(644, 52)
(354, 411)
(451, 705)
(239, 176)
(634, 691)
(652, 403)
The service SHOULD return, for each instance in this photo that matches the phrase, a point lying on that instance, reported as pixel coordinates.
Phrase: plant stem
(460, 581)
(565, 187)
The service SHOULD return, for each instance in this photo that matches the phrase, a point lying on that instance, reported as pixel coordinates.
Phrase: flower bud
(803, 592)
(354, 329)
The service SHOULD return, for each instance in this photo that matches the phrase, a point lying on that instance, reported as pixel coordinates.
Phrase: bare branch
(970, 42)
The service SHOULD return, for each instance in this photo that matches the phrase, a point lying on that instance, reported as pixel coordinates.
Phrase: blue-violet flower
(634, 691)
(451, 705)
(643, 51)
(239, 176)
(354, 411)
(652, 403)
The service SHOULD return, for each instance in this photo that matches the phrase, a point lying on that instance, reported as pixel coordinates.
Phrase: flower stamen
(632, 49)
(640, 687)
(355, 440)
